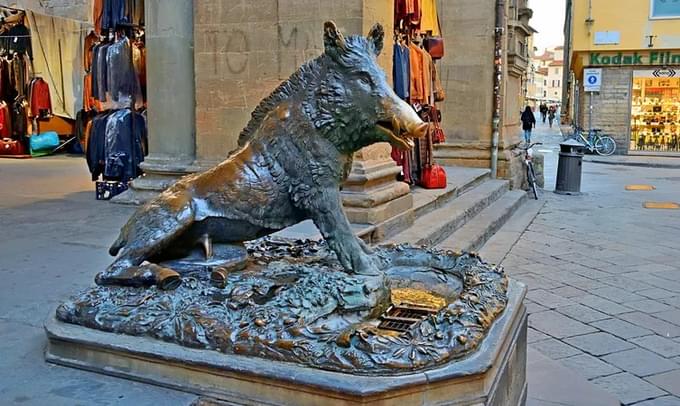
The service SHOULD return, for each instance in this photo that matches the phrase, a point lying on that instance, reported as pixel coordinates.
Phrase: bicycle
(595, 142)
(527, 159)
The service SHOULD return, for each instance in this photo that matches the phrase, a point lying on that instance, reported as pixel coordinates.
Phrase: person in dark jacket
(528, 122)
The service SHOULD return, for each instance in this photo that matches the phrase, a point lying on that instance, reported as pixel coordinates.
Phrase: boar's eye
(365, 79)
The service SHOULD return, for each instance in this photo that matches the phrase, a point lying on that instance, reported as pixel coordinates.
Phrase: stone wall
(467, 70)
(244, 49)
(611, 106)
(75, 9)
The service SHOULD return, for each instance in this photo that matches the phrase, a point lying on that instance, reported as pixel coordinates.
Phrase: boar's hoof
(144, 275)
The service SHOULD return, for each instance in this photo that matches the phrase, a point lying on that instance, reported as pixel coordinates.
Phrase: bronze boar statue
(295, 153)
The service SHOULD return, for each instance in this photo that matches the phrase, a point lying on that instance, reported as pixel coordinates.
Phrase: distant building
(546, 77)
(636, 49)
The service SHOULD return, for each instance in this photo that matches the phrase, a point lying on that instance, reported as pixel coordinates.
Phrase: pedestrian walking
(528, 122)
(551, 115)
(544, 111)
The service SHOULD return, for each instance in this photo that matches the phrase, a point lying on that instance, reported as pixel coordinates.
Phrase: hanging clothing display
(109, 14)
(401, 71)
(116, 73)
(416, 81)
(116, 145)
(16, 39)
(5, 121)
(429, 21)
(39, 98)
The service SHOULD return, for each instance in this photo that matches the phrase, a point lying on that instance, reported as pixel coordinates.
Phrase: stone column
(170, 97)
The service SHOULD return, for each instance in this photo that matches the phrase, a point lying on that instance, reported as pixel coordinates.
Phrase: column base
(371, 194)
(159, 174)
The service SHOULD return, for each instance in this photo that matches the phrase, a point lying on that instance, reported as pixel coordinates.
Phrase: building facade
(635, 47)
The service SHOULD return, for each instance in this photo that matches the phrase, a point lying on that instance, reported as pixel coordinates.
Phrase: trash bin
(569, 168)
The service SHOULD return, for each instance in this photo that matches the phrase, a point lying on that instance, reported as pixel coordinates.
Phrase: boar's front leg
(326, 212)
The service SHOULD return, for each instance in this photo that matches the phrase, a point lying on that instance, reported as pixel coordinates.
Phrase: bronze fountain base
(284, 324)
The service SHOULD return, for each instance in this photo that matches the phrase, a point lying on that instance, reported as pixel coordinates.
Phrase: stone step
(476, 232)
(459, 181)
(498, 246)
(434, 227)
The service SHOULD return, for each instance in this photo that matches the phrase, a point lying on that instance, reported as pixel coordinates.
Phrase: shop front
(655, 110)
(638, 103)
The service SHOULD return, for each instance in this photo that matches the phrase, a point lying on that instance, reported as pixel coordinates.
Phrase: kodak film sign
(634, 58)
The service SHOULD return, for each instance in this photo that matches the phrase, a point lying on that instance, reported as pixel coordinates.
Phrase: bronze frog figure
(295, 153)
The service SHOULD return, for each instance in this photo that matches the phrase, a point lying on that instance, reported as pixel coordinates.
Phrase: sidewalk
(649, 161)
(604, 279)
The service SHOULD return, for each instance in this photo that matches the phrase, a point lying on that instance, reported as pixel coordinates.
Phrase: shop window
(665, 9)
(655, 113)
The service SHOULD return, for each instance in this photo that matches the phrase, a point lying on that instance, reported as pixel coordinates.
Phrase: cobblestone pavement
(604, 278)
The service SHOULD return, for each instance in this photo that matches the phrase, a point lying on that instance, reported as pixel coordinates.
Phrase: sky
(548, 20)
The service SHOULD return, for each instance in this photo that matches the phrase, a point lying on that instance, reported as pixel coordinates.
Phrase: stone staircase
(465, 220)
(462, 217)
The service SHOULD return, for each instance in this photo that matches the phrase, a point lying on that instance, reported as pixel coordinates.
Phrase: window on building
(553, 83)
(557, 71)
(558, 83)
(545, 94)
(665, 9)
(545, 82)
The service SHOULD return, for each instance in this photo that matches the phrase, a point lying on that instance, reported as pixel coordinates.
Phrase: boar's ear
(376, 37)
(332, 37)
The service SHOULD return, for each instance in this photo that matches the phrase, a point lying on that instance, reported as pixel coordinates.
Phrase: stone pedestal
(495, 374)
(371, 194)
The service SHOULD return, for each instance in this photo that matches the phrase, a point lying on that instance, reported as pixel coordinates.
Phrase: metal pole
(590, 110)
(497, 85)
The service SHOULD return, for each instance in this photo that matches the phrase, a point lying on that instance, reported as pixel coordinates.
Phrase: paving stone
(599, 344)
(652, 267)
(535, 335)
(534, 307)
(558, 325)
(621, 328)
(555, 349)
(582, 313)
(628, 388)
(547, 299)
(617, 295)
(662, 401)
(671, 274)
(672, 316)
(603, 305)
(640, 362)
(658, 326)
(588, 366)
(669, 381)
(656, 293)
(569, 292)
(655, 281)
(589, 272)
(660, 345)
(622, 282)
(673, 301)
(649, 306)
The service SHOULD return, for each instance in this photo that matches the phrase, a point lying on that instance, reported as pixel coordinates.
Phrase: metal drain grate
(402, 318)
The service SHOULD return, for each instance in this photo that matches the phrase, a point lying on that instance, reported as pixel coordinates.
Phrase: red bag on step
(433, 176)
(9, 146)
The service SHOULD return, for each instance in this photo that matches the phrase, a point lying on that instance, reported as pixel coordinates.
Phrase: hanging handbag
(433, 175)
(435, 47)
(44, 143)
(9, 146)
(438, 135)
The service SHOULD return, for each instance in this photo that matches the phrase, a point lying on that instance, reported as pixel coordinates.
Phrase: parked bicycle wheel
(531, 179)
(605, 145)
